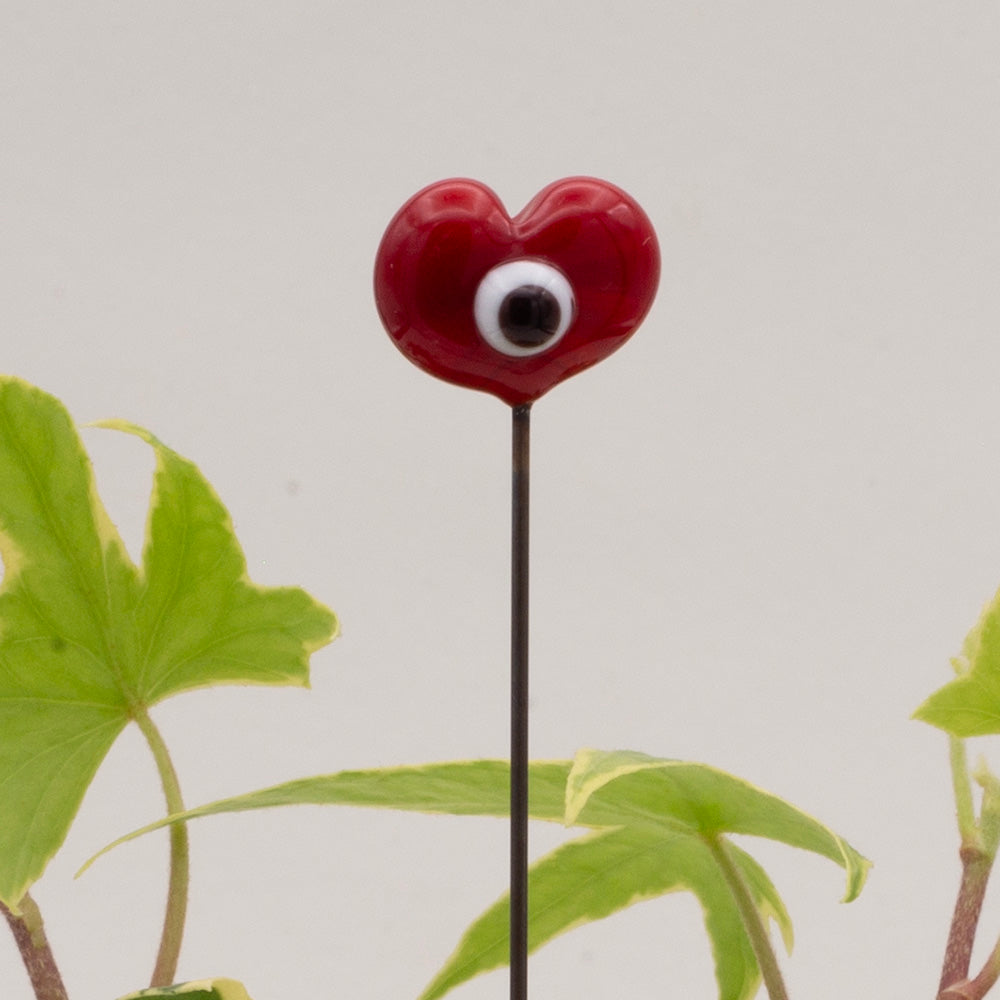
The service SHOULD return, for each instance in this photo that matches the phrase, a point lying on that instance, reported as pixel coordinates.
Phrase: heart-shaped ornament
(513, 306)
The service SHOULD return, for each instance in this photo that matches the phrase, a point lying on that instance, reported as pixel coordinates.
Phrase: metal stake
(519, 704)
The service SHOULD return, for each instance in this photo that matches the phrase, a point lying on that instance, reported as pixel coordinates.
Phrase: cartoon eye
(523, 307)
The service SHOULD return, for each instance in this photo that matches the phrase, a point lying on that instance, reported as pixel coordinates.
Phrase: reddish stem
(976, 867)
(35, 951)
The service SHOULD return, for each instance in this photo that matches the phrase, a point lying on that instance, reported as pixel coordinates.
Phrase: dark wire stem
(519, 704)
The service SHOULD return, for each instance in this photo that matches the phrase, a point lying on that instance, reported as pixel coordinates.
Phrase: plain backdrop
(759, 531)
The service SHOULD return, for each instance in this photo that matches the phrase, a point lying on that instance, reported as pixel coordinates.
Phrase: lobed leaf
(459, 788)
(969, 705)
(605, 871)
(88, 640)
(636, 790)
(658, 819)
(655, 823)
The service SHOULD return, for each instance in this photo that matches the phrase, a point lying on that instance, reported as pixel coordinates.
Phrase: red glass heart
(589, 271)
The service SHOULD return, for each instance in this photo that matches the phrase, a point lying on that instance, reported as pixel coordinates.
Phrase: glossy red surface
(444, 240)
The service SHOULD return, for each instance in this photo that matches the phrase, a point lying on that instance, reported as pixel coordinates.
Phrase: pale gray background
(761, 529)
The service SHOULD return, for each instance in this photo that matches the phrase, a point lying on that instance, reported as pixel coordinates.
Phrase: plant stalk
(976, 989)
(977, 853)
(753, 922)
(165, 970)
(39, 962)
(976, 868)
(961, 783)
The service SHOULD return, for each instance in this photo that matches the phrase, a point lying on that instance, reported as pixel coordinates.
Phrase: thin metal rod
(519, 704)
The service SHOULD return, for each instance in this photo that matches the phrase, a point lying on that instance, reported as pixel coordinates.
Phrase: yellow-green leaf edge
(198, 989)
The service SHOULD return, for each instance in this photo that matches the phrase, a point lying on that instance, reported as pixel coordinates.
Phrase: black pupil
(529, 316)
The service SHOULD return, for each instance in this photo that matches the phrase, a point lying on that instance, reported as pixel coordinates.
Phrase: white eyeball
(523, 307)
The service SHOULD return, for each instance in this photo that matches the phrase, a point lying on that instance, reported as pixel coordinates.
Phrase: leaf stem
(976, 867)
(29, 933)
(962, 784)
(165, 971)
(753, 922)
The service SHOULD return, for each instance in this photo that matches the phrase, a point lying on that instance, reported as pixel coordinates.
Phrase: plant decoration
(90, 642)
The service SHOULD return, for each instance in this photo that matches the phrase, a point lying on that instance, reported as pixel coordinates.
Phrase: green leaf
(201, 989)
(970, 704)
(663, 816)
(89, 641)
(636, 790)
(603, 872)
(459, 788)
(656, 821)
